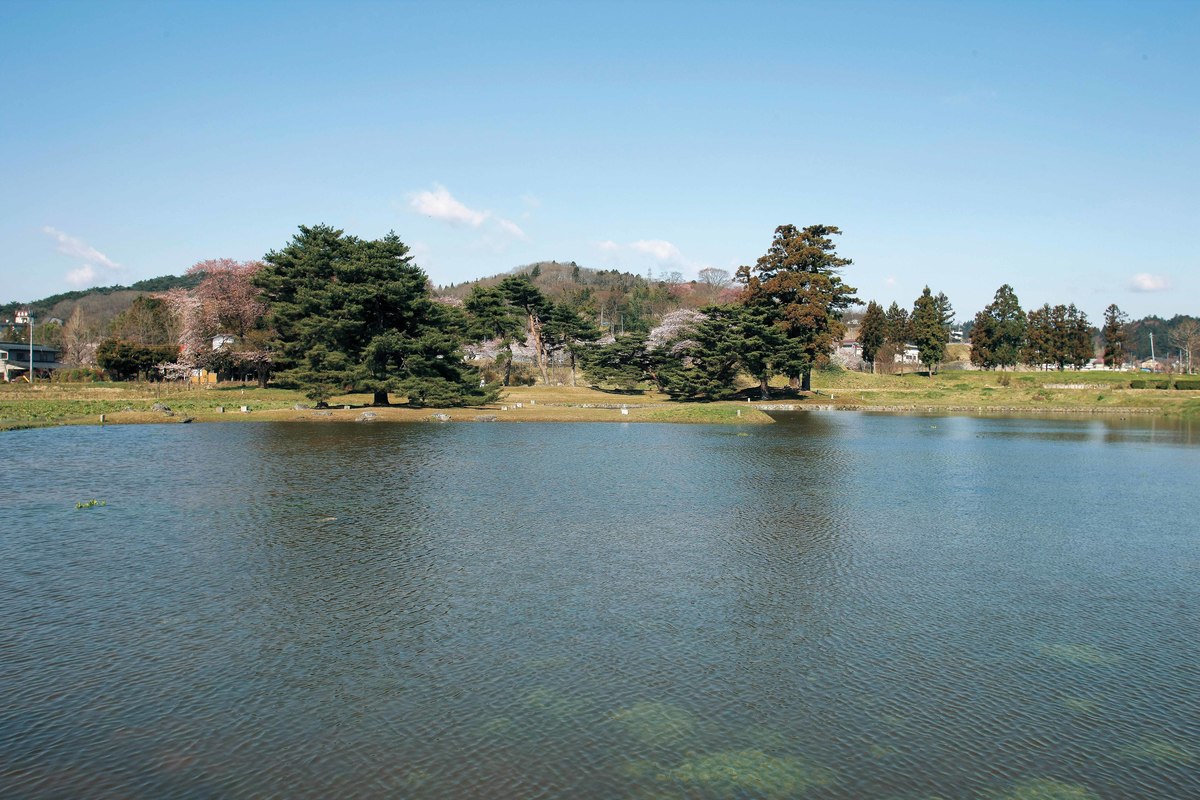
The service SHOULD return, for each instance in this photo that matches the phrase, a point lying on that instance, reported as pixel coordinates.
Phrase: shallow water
(836, 606)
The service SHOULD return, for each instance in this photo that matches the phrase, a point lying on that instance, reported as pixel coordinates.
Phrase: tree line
(332, 313)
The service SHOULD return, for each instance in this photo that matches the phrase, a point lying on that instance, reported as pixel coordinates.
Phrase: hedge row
(1190, 384)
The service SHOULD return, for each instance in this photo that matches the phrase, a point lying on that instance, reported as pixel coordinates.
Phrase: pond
(838, 605)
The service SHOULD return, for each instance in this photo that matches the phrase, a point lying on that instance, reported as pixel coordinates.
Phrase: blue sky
(1054, 146)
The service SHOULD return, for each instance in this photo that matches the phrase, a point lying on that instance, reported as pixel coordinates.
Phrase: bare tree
(1186, 336)
(79, 339)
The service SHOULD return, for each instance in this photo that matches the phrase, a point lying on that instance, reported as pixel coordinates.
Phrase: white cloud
(608, 246)
(439, 204)
(84, 276)
(663, 251)
(1145, 282)
(891, 280)
(86, 273)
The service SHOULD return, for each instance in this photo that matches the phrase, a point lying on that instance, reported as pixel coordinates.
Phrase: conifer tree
(930, 332)
(999, 331)
(872, 332)
(358, 315)
(796, 286)
(1116, 336)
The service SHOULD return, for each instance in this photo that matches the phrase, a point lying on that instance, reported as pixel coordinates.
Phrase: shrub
(1142, 383)
(77, 375)
(1188, 384)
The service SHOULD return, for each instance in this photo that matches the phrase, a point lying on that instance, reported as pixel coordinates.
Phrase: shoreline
(959, 394)
(727, 413)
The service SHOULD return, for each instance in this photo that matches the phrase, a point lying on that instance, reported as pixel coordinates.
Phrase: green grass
(24, 406)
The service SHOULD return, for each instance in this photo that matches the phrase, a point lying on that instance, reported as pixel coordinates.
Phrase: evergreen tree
(492, 317)
(1079, 347)
(1116, 336)
(999, 331)
(567, 329)
(1039, 346)
(898, 330)
(529, 300)
(872, 332)
(930, 333)
(796, 286)
(703, 361)
(357, 315)
(624, 363)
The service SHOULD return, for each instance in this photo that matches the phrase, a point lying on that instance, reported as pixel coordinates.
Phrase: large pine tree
(358, 315)
(796, 285)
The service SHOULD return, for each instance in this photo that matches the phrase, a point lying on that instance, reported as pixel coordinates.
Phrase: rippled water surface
(837, 606)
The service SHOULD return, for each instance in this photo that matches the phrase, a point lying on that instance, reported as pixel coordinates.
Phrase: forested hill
(619, 301)
(61, 305)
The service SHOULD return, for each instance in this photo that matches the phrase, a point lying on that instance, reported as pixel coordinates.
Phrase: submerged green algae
(748, 772)
(1048, 789)
(1161, 751)
(656, 724)
(1087, 654)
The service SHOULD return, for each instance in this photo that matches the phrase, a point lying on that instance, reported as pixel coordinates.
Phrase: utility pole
(1153, 360)
(25, 316)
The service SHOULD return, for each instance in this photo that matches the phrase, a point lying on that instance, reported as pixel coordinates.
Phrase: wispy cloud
(650, 253)
(659, 249)
(510, 227)
(86, 273)
(439, 204)
(1145, 282)
(84, 276)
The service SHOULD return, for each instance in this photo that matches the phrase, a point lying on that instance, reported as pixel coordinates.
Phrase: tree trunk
(535, 328)
(763, 388)
(380, 399)
(508, 365)
(572, 368)
(806, 381)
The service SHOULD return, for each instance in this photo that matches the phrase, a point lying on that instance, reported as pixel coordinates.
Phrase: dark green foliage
(999, 331)
(125, 360)
(898, 329)
(930, 331)
(1058, 336)
(704, 361)
(1184, 384)
(1142, 383)
(567, 329)
(623, 363)
(872, 332)
(526, 298)
(358, 315)
(1116, 337)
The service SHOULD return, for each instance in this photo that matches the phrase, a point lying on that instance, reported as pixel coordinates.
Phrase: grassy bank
(22, 405)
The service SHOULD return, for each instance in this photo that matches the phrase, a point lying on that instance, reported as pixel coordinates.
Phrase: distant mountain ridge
(50, 306)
